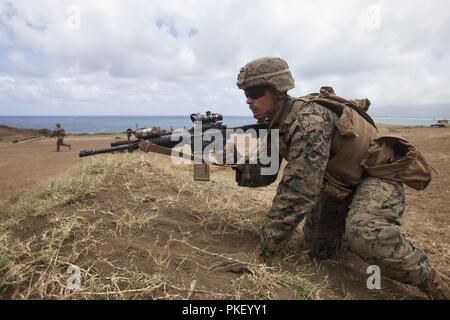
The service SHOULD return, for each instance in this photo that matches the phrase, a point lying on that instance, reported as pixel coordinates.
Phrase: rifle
(38, 135)
(29, 139)
(163, 141)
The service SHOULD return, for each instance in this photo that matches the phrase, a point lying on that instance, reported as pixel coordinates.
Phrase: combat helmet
(271, 72)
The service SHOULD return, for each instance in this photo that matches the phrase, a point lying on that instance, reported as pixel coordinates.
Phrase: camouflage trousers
(60, 142)
(369, 226)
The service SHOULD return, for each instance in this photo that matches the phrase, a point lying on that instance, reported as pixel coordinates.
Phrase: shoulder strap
(330, 100)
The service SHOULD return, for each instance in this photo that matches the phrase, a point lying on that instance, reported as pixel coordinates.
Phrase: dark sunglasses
(255, 92)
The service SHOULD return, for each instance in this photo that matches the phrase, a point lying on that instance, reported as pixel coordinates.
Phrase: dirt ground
(24, 164)
(151, 226)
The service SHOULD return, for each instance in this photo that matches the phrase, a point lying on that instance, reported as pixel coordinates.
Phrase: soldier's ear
(278, 95)
(281, 96)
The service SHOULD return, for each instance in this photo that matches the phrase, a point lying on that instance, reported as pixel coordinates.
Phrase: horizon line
(185, 115)
(118, 115)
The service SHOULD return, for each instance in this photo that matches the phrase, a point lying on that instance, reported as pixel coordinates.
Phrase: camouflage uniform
(325, 182)
(60, 133)
(368, 221)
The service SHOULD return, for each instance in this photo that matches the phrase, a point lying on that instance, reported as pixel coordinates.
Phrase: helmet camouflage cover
(271, 72)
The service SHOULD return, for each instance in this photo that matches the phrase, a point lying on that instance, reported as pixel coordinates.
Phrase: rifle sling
(169, 152)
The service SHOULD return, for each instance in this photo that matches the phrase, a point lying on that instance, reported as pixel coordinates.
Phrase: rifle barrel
(122, 142)
(164, 141)
(129, 147)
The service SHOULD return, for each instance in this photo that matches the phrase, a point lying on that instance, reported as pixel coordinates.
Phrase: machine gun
(162, 141)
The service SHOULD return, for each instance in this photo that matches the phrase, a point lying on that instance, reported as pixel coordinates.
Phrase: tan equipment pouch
(395, 158)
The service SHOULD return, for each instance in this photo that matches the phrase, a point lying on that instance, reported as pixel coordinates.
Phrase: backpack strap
(329, 99)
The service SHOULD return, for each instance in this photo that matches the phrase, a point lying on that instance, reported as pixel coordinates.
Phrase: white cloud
(177, 57)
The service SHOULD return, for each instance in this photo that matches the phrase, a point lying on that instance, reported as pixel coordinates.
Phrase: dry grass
(139, 227)
(104, 217)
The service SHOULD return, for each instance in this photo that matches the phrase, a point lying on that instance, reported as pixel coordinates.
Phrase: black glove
(249, 175)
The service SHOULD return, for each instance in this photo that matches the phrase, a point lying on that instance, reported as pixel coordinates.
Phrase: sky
(170, 57)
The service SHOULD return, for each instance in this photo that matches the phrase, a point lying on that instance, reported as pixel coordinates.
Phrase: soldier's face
(260, 101)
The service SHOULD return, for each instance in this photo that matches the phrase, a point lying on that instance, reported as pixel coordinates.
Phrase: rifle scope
(206, 118)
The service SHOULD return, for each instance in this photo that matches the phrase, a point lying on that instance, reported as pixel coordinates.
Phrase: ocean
(98, 124)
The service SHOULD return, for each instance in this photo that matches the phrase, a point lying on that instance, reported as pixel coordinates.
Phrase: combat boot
(437, 286)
